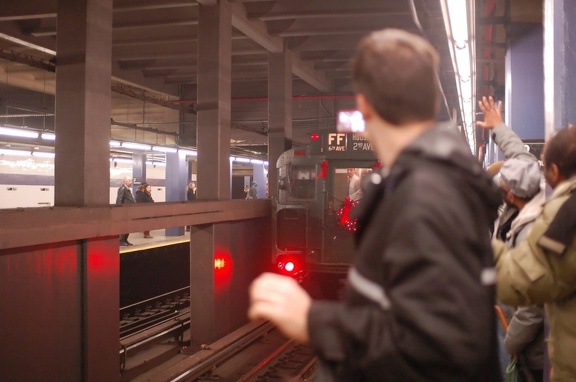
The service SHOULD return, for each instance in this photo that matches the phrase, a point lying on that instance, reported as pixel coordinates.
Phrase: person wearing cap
(533, 272)
(523, 188)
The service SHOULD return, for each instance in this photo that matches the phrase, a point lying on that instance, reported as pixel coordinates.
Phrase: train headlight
(290, 264)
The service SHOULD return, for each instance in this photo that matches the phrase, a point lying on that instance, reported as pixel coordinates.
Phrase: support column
(214, 95)
(83, 99)
(176, 182)
(213, 142)
(279, 113)
(560, 78)
(525, 81)
(260, 179)
(138, 170)
(524, 105)
(90, 306)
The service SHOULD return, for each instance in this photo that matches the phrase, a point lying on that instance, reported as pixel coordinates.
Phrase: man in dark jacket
(125, 196)
(419, 305)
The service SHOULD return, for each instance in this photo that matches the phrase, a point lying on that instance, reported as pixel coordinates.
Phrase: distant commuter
(520, 180)
(541, 269)
(144, 195)
(252, 191)
(191, 192)
(353, 181)
(125, 197)
(419, 303)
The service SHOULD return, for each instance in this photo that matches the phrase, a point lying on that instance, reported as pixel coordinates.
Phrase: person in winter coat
(419, 303)
(523, 187)
(542, 268)
(124, 196)
(144, 195)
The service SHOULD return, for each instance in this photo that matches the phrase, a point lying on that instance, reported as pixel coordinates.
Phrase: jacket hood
(444, 144)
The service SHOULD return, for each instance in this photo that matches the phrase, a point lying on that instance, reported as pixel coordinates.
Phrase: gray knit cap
(522, 177)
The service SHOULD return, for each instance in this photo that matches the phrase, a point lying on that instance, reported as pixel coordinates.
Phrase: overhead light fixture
(459, 23)
(20, 153)
(114, 144)
(136, 146)
(164, 149)
(27, 44)
(48, 136)
(22, 133)
(43, 154)
(187, 152)
(242, 160)
(256, 161)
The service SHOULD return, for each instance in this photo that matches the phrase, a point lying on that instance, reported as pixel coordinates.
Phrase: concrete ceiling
(154, 56)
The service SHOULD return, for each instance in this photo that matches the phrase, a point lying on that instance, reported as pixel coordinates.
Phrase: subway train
(313, 232)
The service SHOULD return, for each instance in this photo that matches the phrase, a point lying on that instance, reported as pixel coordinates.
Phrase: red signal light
(219, 263)
(314, 136)
(290, 264)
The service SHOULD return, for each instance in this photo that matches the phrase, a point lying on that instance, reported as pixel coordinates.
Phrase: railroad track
(152, 331)
(154, 347)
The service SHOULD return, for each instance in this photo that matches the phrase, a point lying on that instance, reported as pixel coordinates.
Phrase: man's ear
(364, 106)
(556, 174)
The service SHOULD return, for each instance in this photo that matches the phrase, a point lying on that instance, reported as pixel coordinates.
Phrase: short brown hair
(396, 71)
(561, 150)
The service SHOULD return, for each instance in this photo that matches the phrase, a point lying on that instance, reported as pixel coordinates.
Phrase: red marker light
(289, 266)
(314, 136)
(219, 263)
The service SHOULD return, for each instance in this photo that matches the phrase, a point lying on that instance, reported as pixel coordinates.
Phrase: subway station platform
(159, 238)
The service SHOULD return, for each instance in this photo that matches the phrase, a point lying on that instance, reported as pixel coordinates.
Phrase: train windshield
(348, 181)
(303, 182)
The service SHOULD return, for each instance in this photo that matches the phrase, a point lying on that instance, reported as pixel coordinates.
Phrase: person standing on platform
(252, 191)
(419, 303)
(191, 196)
(191, 192)
(125, 197)
(541, 268)
(522, 184)
(144, 195)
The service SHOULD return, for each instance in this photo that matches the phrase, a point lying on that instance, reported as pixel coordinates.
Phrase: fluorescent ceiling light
(456, 16)
(463, 62)
(136, 146)
(18, 132)
(243, 160)
(188, 152)
(256, 161)
(114, 144)
(48, 136)
(42, 154)
(20, 153)
(164, 149)
(27, 44)
(458, 20)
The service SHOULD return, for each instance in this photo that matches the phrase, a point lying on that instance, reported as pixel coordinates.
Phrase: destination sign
(342, 145)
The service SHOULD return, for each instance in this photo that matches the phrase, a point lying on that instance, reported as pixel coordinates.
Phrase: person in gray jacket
(523, 187)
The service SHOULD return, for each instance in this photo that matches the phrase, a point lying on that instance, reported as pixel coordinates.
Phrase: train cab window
(348, 181)
(303, 182)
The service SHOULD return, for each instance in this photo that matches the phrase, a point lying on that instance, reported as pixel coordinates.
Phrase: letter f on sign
(336, 137)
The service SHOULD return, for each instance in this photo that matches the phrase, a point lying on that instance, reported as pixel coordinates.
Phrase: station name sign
(346, 145)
